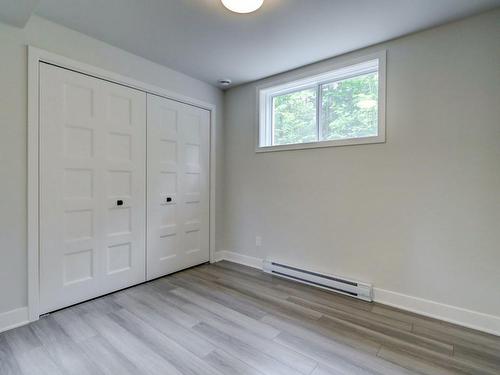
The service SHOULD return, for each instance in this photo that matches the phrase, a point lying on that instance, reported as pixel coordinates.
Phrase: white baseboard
(14, 318)
(239, 258)
(452, 314)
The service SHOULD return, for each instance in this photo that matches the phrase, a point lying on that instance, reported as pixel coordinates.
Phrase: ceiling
(17, 12)
(203, 39)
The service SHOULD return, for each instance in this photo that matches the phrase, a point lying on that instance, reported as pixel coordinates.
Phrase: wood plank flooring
(227, 319)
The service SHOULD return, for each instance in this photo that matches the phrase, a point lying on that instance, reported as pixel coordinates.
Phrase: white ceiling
(203, 39)
(16, 12)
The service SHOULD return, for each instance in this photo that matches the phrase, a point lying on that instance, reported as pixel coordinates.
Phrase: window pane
(349, 108)
(294, 117)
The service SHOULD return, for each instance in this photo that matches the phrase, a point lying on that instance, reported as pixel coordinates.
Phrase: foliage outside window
(342, 106)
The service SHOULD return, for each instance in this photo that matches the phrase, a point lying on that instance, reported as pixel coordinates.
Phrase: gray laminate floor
(230, 319)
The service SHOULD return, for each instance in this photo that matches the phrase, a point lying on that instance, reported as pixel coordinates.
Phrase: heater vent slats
(317, 274)
(336, 284)
(314, 283)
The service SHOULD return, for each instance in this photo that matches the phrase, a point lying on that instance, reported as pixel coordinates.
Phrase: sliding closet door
(178, 186)
(92, 187)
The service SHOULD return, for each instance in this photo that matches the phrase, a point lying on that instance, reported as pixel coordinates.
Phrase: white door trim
(35, 56)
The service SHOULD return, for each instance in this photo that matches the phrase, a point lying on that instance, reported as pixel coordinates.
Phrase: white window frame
(328, 73)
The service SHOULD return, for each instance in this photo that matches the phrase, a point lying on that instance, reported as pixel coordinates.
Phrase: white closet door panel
(178, 188)
(77, 189)
(195, 141)
(163, 183)
(124, 164)
(69, 182)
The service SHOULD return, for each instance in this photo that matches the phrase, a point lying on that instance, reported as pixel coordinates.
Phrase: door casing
(35, 57)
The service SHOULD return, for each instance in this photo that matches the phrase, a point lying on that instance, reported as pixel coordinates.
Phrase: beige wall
(13, 127)
(419, 215)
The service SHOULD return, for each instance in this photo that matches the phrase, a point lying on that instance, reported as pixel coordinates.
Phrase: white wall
(419, 215)
(13, 128)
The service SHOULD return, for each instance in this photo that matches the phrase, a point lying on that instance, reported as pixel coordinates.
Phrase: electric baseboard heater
(332, 283)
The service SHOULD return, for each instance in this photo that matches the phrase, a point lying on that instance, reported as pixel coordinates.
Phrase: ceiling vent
(225, 82)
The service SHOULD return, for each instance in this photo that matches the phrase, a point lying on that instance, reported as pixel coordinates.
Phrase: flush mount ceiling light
(243, 6)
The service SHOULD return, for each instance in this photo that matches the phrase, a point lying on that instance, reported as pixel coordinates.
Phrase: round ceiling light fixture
(243, 6)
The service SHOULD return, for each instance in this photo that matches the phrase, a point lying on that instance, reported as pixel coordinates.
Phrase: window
(342, 106)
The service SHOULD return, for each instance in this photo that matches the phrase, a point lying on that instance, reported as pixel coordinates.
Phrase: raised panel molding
(122, 153)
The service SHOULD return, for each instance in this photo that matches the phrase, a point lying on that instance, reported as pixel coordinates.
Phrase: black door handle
(119, 202)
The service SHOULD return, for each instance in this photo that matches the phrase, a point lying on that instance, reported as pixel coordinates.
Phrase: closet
(124, 186)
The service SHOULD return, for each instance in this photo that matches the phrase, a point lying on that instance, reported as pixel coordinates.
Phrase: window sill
(323, 144)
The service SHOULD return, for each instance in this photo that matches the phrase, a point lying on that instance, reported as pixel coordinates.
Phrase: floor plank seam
(227, 319)
(314, 369)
